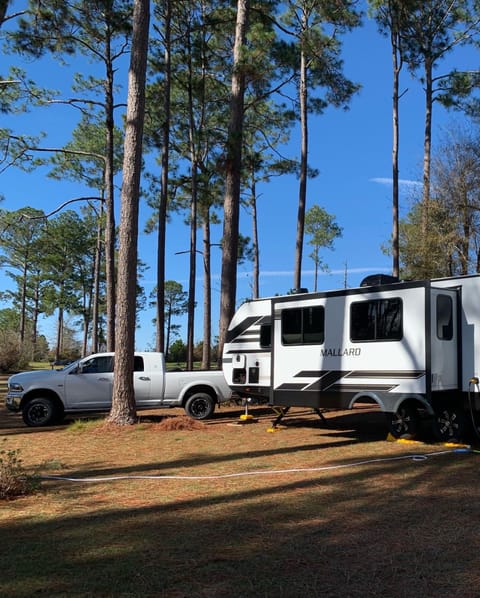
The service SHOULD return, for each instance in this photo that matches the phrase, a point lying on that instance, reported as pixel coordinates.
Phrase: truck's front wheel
(201, 405)
(41, 411)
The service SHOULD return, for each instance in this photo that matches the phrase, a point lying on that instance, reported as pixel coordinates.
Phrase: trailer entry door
(444, 339)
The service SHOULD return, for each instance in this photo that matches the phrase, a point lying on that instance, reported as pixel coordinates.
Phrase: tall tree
(391, 16)
(164, 10)
(123, 409)
(315, 26)
(233, 163)
(192, 73)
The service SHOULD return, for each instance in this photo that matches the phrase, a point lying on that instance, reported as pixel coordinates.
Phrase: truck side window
(444, 318)
(138, 364)
(376, 320)
(98, 365)
(303, 325)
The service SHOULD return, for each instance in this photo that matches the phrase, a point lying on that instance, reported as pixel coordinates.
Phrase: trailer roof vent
(378, 279)
(298, 291)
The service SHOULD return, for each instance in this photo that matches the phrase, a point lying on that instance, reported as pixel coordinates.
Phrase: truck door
(444, 339)
(142, 382)
(89, 386)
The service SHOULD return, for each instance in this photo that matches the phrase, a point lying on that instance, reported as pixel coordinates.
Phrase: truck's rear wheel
(201, 405)
(404, 422)
(41, 411)
(449, 423)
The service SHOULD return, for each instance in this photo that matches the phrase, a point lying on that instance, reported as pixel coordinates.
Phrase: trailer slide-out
(411, 347)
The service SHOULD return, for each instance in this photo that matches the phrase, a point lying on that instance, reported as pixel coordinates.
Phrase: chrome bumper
(12, 402)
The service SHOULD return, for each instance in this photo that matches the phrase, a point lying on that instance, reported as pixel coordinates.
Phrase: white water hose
(96, 480)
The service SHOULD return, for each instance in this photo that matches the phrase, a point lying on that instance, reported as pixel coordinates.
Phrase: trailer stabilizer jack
(281, 412)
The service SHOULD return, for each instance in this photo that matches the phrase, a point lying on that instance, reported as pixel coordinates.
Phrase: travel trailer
(413, 348)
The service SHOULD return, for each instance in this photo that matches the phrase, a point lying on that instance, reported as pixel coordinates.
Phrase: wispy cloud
(289, 273)
(401, 182)
(281, 273)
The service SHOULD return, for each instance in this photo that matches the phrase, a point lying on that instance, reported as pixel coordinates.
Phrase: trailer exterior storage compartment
(410, 347)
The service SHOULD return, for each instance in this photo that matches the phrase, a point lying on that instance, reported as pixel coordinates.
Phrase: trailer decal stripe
(327, 380)
(330, 380)
(290, 386)
(241, 328)
(372, 374)
(413, 374)
(360, 387)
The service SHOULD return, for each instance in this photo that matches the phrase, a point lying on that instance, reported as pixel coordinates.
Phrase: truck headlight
(15, 387)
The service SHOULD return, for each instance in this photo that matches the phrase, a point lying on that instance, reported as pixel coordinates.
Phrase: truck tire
(41, 411)
(200, 405)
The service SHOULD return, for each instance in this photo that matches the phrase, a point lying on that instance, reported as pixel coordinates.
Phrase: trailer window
(444, 318)
(265, 336)
(376, 320)
(304, 325)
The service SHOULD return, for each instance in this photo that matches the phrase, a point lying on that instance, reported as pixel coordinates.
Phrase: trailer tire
(41, 411)
(404, 422)
(449, 423)
(200, 405)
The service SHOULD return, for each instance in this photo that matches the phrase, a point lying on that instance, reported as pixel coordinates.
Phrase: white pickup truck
(45, 396)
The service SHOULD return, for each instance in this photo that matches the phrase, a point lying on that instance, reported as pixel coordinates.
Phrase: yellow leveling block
(391, 438)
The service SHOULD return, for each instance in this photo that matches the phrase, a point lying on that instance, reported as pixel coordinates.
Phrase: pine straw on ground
(173, 508)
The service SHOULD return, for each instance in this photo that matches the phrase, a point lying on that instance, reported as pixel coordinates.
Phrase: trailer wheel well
(365, 400)
(372, 399)
(413, 403)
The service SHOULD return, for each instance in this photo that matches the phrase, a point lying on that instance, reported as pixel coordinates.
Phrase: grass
(354, 516)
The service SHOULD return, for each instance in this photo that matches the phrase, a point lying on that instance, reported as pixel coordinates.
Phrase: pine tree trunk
(109, 205)
(207, 295)
(123, 400)
(302, 193)
(427, 145)
(232, 179)
(162, 210)
(395, 149)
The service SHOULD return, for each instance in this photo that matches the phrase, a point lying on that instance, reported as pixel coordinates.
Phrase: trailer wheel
(404, 422)
(201, 405)
(449, 423)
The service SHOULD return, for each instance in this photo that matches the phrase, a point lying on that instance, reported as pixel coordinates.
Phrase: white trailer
(411, 347)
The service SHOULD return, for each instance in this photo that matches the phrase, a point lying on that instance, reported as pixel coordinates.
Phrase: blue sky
(351, 149)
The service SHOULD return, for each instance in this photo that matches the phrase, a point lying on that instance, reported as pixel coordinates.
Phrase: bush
(11, 356)
(177, 352)
(13, 479)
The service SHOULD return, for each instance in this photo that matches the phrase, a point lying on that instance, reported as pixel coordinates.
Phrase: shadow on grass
(395, 528)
